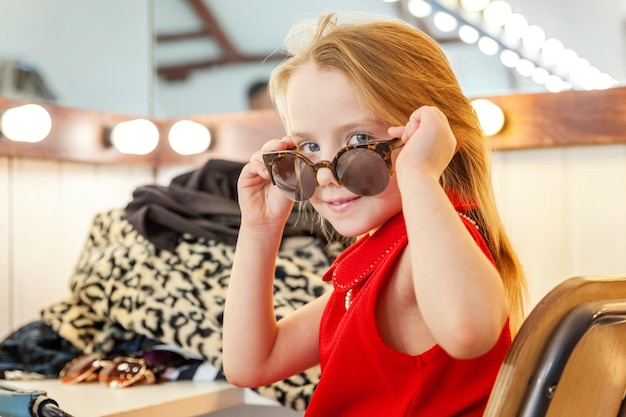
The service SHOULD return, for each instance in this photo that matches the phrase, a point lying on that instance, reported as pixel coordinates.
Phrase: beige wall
(565, 210)
(5, 290)
(44, 221)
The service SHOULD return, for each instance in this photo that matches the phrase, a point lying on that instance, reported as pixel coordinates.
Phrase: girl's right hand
(262, 204)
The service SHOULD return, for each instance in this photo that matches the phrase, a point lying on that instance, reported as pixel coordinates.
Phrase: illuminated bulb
(525, 67)
(515, 26)
(468, 34)
(189, 138)
(566, 60)
(533, 38)
(540, 75)
(580, 70)
(551, 51)
(135, 137)
(604, 81)
(490, 115)
(419, 8)
(555, 84)
(589, 80)
(445, 22)
(474, 5)
(597, 80)
(488, 46)
(509, 58)
(497, 13)
(449, 4)
(28, 123)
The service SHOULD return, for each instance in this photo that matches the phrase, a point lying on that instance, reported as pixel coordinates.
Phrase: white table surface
(176, 399)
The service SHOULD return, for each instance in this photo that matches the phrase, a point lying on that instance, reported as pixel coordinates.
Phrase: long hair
(395, 69)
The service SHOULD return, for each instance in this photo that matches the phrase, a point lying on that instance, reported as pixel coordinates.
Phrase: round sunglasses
(364, 169)
(123, 371)
(119, 372)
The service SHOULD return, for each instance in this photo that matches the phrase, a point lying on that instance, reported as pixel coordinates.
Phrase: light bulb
(135, 137)
(497, 13)
(515, 26)
(488, 46)
(189, 138)
(525, 67)
(28, 123)
(566, 61)
(551, 51)
(445, 22)
(540, 75)
(509, 58)
(468, 34)
(533, 38)
(419, 8)
(490, 115)
(474, 5)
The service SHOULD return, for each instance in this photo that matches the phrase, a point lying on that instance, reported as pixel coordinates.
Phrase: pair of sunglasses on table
(124, 371)
(364, 169)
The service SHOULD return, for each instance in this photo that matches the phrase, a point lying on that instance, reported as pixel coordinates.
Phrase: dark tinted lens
(293, 177)
(363, 172)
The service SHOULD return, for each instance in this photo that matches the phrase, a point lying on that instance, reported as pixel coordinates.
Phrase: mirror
(106, 55)
(91, 54)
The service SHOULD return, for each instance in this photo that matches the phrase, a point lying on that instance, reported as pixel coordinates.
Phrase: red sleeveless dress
(361, 375)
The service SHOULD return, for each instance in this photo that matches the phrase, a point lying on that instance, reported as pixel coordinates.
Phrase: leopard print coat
(123, 286)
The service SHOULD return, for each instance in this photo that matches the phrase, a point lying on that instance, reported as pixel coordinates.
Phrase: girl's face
(325, 116)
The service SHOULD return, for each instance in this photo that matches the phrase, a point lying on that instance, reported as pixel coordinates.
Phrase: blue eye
(358, 138)
(308, 147)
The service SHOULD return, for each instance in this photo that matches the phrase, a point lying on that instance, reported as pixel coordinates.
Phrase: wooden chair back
(569, 357)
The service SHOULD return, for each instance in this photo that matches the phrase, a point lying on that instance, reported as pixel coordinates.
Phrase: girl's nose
(325, 177)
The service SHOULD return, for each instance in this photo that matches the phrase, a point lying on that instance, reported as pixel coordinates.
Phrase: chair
(569, 357)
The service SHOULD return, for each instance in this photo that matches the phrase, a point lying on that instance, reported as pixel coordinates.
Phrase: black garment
(35, 348)
(202, 203)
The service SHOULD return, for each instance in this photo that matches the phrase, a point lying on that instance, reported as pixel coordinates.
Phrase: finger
(396, 131)
(257, 156)
(254, 172)
(278, 144)
(287, 142)
(271, 145)
(413, 124)
(260, 169)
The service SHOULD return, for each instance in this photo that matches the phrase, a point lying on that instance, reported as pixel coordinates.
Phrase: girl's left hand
(429, 141)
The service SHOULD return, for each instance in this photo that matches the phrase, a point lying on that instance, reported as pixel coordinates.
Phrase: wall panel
(564, 209)
(167, 173)
(5, 253)
(531, 199)
(596, 199)
(116, 183)
(87, 190)
(53, 205)
(37, 237)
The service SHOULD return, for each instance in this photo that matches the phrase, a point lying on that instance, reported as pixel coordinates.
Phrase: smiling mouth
(342, 201)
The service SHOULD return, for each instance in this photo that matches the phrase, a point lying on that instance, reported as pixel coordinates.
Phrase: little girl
(385, 147)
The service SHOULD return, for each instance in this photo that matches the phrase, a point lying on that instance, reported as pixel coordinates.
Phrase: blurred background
(171, 58)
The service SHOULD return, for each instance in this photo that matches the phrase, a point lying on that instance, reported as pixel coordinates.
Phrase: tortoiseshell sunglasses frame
(384, 148)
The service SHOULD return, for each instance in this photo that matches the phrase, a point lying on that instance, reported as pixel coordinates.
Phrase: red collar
(355, 264)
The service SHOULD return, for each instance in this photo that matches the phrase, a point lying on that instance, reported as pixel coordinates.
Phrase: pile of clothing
(157, 271)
